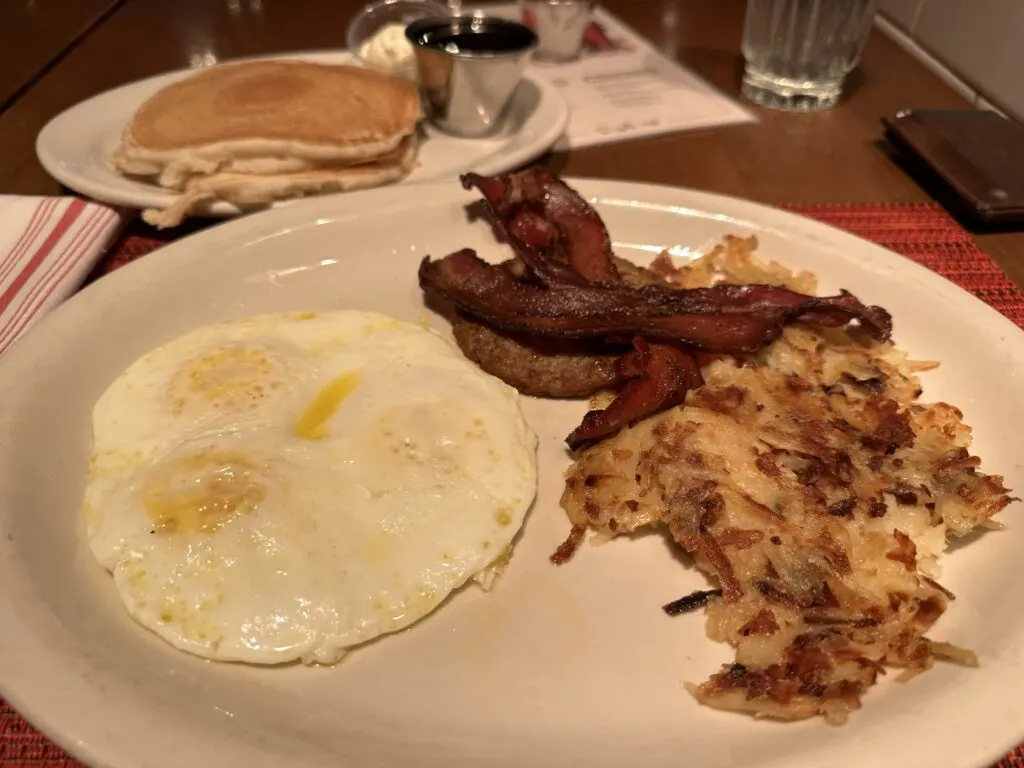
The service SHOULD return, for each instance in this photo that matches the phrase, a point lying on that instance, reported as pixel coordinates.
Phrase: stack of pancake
(256, 132)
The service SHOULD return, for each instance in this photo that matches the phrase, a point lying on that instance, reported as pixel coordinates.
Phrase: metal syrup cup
(467, 89)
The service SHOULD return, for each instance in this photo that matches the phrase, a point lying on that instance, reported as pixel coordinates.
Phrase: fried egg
(291, 485)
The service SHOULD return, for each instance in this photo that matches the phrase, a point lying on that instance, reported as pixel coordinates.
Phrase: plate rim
(500, 162)
(307, 212)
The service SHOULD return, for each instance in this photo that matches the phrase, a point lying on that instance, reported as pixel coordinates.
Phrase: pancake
(251, 190)
(290, 109)
(255, 132)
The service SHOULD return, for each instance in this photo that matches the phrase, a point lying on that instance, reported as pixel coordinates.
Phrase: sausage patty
(547, 367)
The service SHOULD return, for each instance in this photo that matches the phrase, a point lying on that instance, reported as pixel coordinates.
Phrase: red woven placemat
(924, 233)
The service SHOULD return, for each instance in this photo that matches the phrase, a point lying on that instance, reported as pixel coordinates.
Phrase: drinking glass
(799, 52)
(561, 26)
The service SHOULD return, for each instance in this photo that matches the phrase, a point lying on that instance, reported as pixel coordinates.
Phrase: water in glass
(799, 52)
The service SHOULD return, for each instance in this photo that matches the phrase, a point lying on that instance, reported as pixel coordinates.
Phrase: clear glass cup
(799, 52)
(561, 26)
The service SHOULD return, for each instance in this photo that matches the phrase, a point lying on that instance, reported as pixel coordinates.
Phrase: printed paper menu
(623, 88)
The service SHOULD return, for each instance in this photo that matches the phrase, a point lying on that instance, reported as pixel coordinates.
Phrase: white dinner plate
(75, 146)
(569, 666)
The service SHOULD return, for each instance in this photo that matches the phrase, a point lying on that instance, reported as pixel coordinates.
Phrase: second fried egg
(288, 486)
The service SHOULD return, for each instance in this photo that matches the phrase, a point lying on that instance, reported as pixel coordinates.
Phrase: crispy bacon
(566, 284)
(724, 318)
(538, 210)
(657, 378)
(548, 271)
(562, 241)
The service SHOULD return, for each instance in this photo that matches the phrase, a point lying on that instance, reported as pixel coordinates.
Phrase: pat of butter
(389, 50)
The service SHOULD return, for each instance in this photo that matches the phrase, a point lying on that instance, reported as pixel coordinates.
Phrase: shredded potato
(816, 488)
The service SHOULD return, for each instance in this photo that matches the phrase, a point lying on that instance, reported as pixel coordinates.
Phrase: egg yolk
(312, 424)
(201, 493)
(231, 376)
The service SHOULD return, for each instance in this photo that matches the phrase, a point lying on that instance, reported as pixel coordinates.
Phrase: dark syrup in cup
(470, 36)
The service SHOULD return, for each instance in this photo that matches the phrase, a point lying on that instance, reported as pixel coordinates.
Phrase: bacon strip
(658, 377)
(537, 210)
(577, 292)
(724, 318)
(547, 270)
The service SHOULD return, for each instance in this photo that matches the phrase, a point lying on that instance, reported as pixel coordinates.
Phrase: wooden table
(37, 33)
(829, 157)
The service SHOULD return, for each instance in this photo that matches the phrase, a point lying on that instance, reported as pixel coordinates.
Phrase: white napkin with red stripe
(48, 245)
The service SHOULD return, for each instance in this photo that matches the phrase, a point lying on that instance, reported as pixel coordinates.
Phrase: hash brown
(814, 487)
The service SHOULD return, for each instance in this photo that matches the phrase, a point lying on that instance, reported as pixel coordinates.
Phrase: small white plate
(75, 146)
(570, 666)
